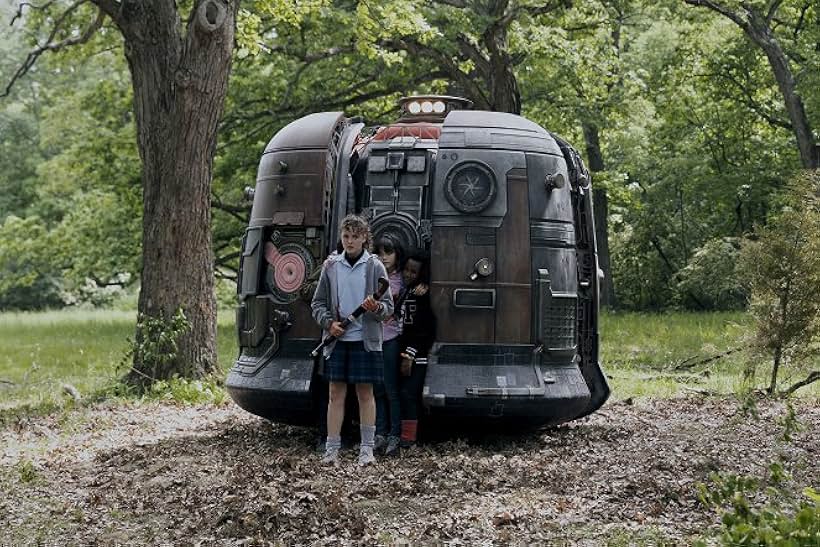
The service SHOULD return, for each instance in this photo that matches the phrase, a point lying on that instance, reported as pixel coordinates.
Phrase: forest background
(675, 107)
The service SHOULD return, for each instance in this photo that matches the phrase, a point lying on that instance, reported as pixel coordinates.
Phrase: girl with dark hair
(417, 337)
(388, 406)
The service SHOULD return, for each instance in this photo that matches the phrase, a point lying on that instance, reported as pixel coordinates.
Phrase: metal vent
(556, 316)
(560, 320)
(474, 298)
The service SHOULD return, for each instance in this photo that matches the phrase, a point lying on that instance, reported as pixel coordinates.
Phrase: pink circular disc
(289, 272)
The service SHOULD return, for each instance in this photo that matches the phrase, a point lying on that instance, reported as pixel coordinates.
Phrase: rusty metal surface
(494, 189)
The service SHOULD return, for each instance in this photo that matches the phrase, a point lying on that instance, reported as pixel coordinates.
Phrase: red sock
(408, 430)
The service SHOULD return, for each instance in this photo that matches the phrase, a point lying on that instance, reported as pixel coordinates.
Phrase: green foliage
(82, 347)
(782, 270)
(701, 165)
(781, 521)
(186, 391)
(97, 247)
(747, 400)
(708, 281)
(226, 295)
(156, 341)
(69, 169)
(28, 279)
(690, 120)
(19, 157)
(28, 472)
(790, 422)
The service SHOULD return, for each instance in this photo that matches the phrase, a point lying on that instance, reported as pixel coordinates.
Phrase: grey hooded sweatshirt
(325, 299)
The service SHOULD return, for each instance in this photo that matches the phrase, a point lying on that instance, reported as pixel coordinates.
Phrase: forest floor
(152, 473)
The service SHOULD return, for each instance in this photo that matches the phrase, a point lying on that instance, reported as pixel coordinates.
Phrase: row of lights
(426, 107)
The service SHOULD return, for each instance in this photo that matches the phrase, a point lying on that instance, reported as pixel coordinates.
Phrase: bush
(641, 278)
(28, 281)
(709, 281)
(155, 347)
(782, 271)
(184, 391)
(780, 521)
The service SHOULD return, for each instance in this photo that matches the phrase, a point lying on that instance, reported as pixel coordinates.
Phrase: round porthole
(288, 268)
(398, 227)
(470, 187)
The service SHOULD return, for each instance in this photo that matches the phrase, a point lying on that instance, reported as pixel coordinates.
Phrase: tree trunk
(761, 34)
(600, 210)
(504, 91)
(758, 28)
(778, 354)
(502, 84)
(180, 81)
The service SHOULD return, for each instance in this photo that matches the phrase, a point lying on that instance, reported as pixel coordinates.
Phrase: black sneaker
(379, 442)
(392, 447)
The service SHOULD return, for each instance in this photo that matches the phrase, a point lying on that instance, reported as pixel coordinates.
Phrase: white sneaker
(366, 456)
(331, 457)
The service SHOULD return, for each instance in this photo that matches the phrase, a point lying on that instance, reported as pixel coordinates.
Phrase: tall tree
(757, 23)
(179, 75)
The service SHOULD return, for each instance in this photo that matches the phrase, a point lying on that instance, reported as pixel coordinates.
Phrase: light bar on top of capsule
(426, 107)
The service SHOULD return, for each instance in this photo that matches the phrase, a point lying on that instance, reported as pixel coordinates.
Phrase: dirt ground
(156, 473)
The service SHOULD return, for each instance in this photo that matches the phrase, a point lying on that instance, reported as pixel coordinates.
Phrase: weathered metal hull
(518, 344)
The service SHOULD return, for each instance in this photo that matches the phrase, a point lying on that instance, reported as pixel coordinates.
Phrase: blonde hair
(358, 225)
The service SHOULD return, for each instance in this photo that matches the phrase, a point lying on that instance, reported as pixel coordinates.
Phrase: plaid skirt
(351, 363)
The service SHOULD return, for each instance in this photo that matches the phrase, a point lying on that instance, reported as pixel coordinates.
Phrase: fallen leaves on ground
(207, 475)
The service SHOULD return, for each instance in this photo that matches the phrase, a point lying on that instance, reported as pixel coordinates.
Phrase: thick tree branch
(472, 52)
(719, 8)
(51, 45)
(668, 263)
(533, 11)
(756, 107)
(447, 64)
(772, 10)
(224, 259)
(22, 5)
(454, 3)
(237, 211)
(811, 378)
(111, 8)
(800, 20)
(227, 262)
(548, 7)
(341, 100)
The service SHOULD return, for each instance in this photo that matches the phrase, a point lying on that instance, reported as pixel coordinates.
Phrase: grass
(662, 355)
(40, 352)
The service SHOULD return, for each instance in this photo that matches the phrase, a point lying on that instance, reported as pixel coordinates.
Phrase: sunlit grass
(40, 352)
(642, 354)
(663, 355)
(663, 340)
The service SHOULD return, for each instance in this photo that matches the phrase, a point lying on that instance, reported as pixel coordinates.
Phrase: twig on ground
(694, 361)
(705, 392)
(9, 382)
(678, 377)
